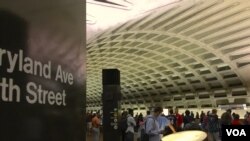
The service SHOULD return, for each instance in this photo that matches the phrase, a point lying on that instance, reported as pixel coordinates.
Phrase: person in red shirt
(236, 120)
(96, 127)
(179, 120)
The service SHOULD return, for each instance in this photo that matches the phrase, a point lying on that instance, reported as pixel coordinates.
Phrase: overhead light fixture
(118, 4)
(232, 106)
(191, 135)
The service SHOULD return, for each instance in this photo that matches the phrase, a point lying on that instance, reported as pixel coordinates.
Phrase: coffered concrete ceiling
(192, 53)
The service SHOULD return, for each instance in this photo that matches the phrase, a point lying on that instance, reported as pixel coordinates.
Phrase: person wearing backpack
(129, 136)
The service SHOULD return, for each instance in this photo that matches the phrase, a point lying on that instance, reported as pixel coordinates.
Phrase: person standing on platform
(131, 124)
(246, 118)
(187, 118)
(179, 120)
(123, 124)
(89, 123)
(172, 118)
(152, 125)
(143, 131)
(166, 125)
(226, 118)
(96, 127)
(236, 120)
(213, 126)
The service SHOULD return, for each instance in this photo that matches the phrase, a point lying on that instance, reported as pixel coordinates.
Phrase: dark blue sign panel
(42, 70)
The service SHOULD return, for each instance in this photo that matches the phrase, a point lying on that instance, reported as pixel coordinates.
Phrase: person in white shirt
(131, 123)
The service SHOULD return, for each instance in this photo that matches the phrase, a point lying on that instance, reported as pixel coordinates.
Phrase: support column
(111, 104)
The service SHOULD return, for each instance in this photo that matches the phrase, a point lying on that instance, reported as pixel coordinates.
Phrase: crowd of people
(156, 125)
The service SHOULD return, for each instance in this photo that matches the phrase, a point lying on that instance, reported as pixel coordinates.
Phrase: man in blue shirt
(155, 125)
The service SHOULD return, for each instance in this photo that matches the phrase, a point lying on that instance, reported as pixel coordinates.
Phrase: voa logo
(236, 132)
